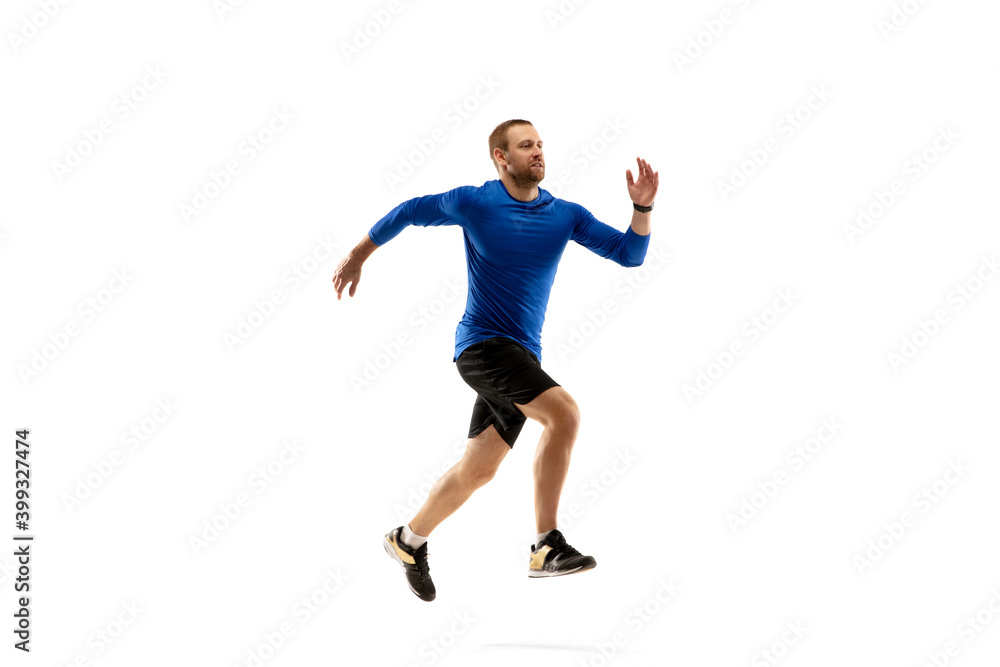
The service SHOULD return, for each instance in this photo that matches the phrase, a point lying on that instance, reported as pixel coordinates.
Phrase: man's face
(525, 161)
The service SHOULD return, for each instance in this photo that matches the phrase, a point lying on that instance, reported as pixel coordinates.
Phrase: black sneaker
(553, 557)
(414, 562)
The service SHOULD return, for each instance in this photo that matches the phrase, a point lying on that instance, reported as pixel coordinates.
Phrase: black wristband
(642, 209)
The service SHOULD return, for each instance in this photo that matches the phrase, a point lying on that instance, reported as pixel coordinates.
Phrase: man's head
(517, 151)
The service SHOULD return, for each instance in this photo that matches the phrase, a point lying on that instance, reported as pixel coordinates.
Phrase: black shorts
(503, 372)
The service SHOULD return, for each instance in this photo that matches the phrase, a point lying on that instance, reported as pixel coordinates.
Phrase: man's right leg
(482, 457)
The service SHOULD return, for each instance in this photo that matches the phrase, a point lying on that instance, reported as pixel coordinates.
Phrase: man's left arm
(626, 248)
(642, 192)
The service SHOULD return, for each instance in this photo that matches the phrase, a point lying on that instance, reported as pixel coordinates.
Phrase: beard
(526, 176)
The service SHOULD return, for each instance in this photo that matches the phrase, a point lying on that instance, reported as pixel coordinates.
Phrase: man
(515, 234)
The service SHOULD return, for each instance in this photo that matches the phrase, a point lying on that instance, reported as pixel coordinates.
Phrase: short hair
(498, 137)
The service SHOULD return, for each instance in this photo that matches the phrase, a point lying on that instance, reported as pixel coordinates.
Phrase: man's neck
(525, 194)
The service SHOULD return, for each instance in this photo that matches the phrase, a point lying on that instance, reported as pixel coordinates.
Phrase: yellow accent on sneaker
(538, 558)
(407, 558)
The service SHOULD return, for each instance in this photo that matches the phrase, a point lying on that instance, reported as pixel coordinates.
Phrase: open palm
(643, 191)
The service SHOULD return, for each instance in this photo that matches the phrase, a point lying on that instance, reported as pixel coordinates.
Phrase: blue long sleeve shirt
(512, 250)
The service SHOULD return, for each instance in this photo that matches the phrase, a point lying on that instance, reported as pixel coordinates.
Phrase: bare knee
(477, 474)
(481, 476)
(554, 408)
(565, 414)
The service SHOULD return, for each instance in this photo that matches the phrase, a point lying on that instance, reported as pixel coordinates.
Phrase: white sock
(541, 536)
(410, 538)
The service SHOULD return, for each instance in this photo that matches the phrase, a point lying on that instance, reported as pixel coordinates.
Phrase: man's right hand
(348, 271)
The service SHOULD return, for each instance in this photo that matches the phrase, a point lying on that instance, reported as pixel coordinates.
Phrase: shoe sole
(539, 574)
(389, 549)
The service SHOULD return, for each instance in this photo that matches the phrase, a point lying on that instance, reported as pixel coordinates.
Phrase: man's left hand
(643, 191)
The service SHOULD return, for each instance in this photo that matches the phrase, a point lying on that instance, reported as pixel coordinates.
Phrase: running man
(515, 234)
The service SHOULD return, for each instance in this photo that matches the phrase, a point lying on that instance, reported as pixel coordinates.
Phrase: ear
(499, 156)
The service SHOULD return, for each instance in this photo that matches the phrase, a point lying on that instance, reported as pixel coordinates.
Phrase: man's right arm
(447, 208)
(349, 269)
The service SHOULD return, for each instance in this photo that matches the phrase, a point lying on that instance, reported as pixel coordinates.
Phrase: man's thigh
(486, 450)
(504, 373)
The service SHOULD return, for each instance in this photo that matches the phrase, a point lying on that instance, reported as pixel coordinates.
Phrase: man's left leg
(558, 413)
(556, 410)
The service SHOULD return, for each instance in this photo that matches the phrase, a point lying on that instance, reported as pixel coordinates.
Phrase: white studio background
(822, 495)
